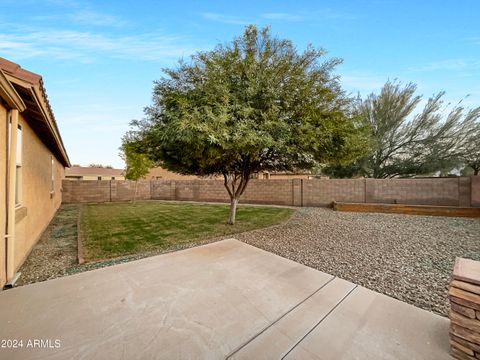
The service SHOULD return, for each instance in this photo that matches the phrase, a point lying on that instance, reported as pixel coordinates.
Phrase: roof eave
(38, 95)
(10, 95)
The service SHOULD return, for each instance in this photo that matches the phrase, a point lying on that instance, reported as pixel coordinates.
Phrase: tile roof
(31, 89)
(92, 171)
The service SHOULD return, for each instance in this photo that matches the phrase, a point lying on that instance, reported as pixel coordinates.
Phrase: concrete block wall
(462, 191)
(212, 190)
(324, 192)
(124, 190)
(278, 192)
(439, 191)
(86, 191)
(475, 188)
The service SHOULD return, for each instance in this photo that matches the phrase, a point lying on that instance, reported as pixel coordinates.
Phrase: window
(18, 168)
(99, 178)
(113, 177)
(18, 165)
(52, 182)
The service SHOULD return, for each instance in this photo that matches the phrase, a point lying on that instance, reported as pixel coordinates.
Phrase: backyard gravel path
(407, 257)
(56, 251)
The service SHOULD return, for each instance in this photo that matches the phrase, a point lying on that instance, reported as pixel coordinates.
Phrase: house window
(99, 178)
(18, 168)
(113, 177)
(52, 182)
(18, 165)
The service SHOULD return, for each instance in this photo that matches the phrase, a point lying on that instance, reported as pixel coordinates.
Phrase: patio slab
(211, 302)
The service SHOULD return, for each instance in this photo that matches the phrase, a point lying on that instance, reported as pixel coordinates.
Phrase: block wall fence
(457, 192)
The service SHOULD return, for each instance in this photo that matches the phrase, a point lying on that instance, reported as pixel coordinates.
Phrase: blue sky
(99, 58)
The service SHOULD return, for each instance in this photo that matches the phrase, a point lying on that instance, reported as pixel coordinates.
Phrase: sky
(99, 59)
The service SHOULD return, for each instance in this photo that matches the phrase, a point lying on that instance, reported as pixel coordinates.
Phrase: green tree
(137, 165)
(470, 146)
(405, 144)
(255, 104)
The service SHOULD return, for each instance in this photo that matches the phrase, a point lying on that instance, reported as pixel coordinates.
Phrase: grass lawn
(111, 230)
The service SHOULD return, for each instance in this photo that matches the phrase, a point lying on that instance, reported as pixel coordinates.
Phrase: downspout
(10, 196)
(5, 232)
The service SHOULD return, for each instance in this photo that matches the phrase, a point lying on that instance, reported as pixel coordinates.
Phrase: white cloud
(283, 16)
(226, 19)
(89, 17)
(365, 83)
(331, 14)
(84, 18)
(87, 45)
(326, 14)
(78, 12)
(449, 64)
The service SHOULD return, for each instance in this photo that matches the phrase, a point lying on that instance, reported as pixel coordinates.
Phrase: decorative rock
(468, 344)
(465, 334)
(462, 348)
(465, 298)
(467, 270)
(458, 354)
(465, 311)
(466, 286)
(472, 324)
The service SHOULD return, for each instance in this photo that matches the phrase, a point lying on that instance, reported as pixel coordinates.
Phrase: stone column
(464, 295)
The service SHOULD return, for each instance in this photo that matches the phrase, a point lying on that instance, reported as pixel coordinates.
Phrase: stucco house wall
(26, 120)
(38, 203)
(3, 200)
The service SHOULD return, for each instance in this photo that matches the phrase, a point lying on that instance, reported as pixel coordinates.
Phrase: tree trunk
(475, 171)
(235, 183)
(135, 193)
(233, 211)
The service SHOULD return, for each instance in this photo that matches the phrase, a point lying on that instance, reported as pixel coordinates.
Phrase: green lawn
(111, 230)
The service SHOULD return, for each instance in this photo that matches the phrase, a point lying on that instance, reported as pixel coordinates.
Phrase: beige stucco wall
(40, 204)
(3, 176)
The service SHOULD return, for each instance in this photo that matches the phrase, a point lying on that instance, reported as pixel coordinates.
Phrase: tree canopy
(405, 143)
(137, 165)
(470, 146)
(255, 104)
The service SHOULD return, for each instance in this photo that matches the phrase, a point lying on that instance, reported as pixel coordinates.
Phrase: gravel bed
(407, 257)
(56, 251)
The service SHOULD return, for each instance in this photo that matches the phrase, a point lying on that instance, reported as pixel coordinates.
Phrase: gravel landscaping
(407, 257)
(56, 251)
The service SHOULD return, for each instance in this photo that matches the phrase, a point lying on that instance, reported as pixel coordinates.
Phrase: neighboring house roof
(92, 171)
(36, 109)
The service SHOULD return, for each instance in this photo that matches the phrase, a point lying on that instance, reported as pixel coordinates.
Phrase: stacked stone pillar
(464, 295)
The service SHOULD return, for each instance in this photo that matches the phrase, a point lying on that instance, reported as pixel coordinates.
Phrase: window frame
(18, 165)
(52, 172)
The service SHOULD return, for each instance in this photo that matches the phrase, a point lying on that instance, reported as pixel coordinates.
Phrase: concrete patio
(225, 299)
